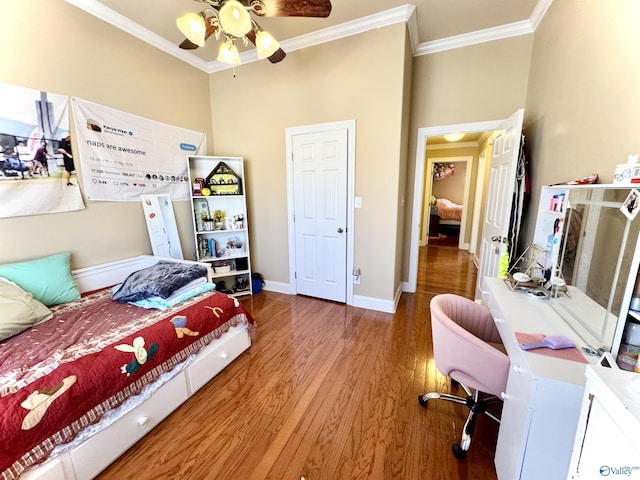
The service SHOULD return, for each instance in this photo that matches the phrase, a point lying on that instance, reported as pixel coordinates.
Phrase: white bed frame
(88, 459)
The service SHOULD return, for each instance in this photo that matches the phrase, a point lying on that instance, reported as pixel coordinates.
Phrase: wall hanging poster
(123, 156)
(33, 125)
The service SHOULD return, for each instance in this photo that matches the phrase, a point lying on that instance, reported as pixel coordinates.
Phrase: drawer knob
(224, 355)
(497, 320)
(504, 396)
(517, 368)
(142, 420)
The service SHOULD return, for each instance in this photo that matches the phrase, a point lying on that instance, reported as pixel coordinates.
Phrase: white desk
(544, 394)
(608, 438)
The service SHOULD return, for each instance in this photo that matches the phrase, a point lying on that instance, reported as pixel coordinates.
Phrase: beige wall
(407, 135)
(578, 77)
(53, 46)
(582, 113)
(339, 80)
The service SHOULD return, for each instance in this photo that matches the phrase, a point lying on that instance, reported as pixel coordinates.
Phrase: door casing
(468, 161)
(350, 126)
(418, 187)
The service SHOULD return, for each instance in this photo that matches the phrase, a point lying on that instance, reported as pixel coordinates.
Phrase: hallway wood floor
(328, 392)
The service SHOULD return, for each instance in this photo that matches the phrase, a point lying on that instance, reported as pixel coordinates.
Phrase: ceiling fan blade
(290, 8)
(189, 45)
(276, 57)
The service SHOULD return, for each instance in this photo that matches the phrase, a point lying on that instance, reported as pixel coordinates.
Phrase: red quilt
(62, 375)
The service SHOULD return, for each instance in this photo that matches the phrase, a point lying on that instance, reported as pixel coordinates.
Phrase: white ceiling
(434, 25)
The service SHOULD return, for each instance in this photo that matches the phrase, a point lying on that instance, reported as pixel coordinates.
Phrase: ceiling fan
(232, 20)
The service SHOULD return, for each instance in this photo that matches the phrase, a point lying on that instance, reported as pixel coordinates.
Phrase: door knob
(340, 230)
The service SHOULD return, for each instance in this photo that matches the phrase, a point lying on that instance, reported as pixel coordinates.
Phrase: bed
(80, 388)
(450, 213)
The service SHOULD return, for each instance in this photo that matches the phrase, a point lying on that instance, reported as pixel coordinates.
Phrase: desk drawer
(515, 421)
(508, 338)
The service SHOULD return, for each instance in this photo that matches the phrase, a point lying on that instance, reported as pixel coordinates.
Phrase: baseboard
(405, 288)
(378, 304)
(278, 287)
(360, 301)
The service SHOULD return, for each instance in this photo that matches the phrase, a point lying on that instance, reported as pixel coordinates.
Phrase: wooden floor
(327, 392)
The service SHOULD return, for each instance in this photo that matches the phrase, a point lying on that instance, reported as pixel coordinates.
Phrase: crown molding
(112, 17)
(515, 29)
(412, 27)
(403, 14)
(539, 12)
(354, 27)
(474, 38)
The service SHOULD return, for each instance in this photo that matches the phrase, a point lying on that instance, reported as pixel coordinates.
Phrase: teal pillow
(48, 279)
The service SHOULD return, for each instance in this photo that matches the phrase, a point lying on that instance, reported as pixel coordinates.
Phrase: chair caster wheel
(458, 452)
(423, 401)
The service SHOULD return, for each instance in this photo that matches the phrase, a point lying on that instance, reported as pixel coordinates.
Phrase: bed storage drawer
(217, 355)
(92, 457)
(55, 469)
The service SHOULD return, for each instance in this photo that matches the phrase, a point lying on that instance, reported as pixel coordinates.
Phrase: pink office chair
(466, 348)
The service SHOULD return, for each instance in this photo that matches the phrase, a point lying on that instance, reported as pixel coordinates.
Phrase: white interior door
(161, 224)
(477, 203)
(320, 213)
(502, 175)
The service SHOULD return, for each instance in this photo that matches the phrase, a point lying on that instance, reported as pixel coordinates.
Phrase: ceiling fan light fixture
(193, 27)
(453, 137)
(229, 53)
(266, 45)
(234, 18)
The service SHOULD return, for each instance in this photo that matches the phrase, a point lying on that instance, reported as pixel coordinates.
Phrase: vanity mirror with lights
(590, 236)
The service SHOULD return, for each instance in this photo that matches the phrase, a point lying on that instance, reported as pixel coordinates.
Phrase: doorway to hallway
(438, 265)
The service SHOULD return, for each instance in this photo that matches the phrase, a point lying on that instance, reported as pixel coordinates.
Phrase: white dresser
(544, 394)
(607, 442)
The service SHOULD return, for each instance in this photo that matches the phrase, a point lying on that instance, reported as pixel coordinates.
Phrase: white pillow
(19, 310)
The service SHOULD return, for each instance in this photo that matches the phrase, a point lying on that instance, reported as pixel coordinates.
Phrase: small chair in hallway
(467, 348)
